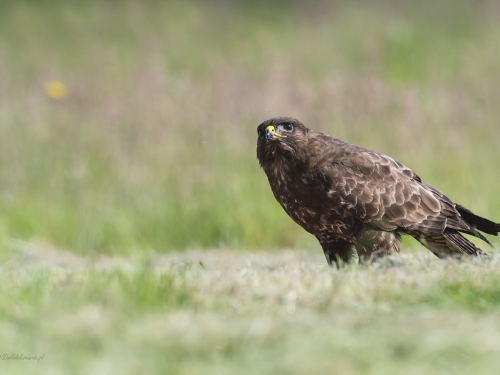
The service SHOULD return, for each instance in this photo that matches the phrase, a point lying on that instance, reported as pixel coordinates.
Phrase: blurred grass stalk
(153, 145)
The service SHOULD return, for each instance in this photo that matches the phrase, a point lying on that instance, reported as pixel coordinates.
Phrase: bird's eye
(288, 127)
(260, 132)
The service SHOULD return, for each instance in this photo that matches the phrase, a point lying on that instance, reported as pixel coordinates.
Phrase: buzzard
(358, 202)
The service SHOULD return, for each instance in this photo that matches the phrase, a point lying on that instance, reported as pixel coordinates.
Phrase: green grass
(226, 312)
(153, 150)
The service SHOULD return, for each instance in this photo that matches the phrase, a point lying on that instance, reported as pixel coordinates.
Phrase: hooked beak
(271, 133)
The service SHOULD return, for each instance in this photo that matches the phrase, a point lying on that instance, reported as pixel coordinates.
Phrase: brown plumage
(358, 202)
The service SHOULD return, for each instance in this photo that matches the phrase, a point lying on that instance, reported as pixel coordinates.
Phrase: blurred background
(131, 125)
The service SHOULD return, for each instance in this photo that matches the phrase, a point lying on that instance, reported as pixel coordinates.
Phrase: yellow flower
(56, 90)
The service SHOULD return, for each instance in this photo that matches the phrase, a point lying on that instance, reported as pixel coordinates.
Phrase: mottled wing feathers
(386, 194)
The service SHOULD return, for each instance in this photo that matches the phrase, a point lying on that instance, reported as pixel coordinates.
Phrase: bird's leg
(352, 255)
(339, 252)
(373, 244)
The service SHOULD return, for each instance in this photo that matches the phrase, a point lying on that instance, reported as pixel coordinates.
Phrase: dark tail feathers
(478, 222)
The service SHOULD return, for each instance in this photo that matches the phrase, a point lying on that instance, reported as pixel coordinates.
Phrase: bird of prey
(358, 202)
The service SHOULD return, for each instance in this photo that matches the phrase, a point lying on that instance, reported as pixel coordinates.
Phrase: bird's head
(281, 138)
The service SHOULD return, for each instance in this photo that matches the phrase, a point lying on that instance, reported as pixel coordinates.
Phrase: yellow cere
(56, 90)
(271, 128)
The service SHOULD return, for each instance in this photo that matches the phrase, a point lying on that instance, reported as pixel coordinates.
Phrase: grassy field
(138, 234)
(227, 312)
